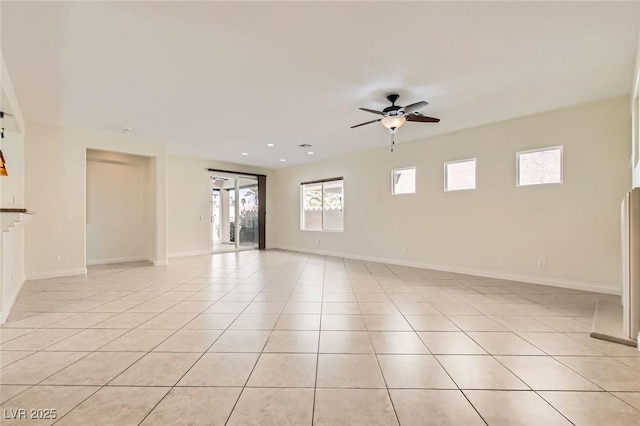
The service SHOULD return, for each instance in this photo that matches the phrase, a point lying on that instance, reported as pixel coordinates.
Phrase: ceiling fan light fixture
(393, 122)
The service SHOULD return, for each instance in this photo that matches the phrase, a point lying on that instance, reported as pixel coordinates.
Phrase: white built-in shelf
(11, 218)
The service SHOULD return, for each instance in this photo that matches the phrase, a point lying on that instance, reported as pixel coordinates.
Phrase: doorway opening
(237, 211)
(120, 219)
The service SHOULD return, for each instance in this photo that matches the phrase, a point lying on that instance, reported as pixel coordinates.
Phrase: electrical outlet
(318, 242)
(542, 262)
(57, 257)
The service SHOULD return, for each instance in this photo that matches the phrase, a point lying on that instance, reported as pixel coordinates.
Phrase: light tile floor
(278, 338)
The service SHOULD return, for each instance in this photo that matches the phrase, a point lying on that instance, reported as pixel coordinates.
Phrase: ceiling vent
(304, 145)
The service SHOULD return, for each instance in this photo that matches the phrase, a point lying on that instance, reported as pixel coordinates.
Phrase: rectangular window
(321, 206)
(539, 166)
(460, 175)
(403, 181)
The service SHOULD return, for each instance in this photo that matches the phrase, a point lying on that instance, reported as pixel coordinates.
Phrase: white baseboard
(554, 282)
(56, 274)
(189, 253)
(161, 262)
(5, 312)
(116, 260)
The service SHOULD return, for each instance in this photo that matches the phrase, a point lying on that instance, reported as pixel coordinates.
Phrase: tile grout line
(437, 360)
(203, 354)
(262, 351)
(146, 353)
(514, 374)
(403, 279)
(518, 377)
(89, 396)
(315, 383)
(375, 353)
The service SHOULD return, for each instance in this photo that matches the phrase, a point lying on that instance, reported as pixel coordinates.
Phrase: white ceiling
(217, 79)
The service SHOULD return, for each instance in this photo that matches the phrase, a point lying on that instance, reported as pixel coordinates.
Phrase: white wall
(635, 111)
(189, 208)
(55, 184)
(12, 271)
(118, 215)
(497, 230)
(12, 240)
(636, 174)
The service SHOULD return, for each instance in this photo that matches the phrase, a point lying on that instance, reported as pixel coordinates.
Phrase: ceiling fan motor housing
(393, 109)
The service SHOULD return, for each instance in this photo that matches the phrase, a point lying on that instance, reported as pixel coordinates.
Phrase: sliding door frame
(262, 203)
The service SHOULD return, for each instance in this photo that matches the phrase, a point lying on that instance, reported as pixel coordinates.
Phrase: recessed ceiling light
(270, 144)
(282, 159)
(310, 152)
(245, 153)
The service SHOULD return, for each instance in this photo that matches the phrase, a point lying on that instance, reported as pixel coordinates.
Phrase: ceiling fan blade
(414, 107)
(422, 118)
(373, 111)
(368, 122)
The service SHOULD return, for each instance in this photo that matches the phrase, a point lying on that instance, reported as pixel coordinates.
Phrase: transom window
(539, 166)
(459, 175)
(403, 181)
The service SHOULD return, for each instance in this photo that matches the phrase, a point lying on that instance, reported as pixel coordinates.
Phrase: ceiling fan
(394, 116)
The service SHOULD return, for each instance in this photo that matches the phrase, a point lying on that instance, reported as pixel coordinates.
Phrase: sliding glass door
(235, 215)
(249, 229)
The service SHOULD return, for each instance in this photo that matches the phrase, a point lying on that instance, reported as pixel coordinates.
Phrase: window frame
(415, 180)
(475, 174)
(528, 151)
(320, 182)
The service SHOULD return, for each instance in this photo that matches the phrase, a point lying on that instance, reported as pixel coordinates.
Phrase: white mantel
(9, 220)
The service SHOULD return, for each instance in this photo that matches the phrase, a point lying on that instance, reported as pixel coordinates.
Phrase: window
(540, 166)
(403, 181)
(322, 205)
(460, 175)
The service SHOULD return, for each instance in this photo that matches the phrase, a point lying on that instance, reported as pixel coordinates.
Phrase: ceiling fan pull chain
(393, 141)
